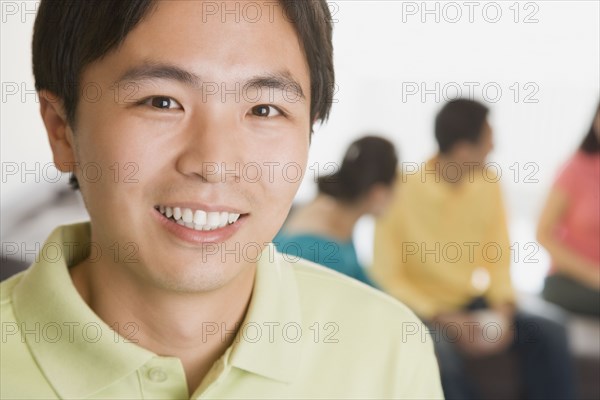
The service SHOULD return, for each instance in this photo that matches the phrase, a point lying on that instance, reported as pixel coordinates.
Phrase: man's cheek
(285, 189)
(128, 174)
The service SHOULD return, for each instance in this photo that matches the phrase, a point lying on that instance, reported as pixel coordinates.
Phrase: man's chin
(192, 277)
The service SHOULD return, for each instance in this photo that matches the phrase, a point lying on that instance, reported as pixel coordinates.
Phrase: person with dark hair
(569, 228)
(176, 119)
(321, 231)
(443, 249)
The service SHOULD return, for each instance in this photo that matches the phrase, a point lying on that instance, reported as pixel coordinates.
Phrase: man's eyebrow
(152, 70)
(281, 81)
(148, 71)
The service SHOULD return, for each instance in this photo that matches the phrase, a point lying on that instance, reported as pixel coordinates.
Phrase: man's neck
(452, 169)
(169, 324)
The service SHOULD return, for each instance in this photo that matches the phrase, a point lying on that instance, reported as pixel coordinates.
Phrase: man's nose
(211, 146)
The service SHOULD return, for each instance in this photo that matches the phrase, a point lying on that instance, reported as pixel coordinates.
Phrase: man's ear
(60, 134)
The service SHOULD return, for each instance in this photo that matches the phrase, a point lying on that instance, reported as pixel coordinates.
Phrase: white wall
(383, 48)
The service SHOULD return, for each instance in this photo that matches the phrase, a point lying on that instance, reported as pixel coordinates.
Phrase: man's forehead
(178, 32)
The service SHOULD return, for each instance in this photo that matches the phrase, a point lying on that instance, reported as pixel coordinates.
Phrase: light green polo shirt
(309, 333)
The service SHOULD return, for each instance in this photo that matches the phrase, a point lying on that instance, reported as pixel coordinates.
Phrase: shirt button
(157, 375)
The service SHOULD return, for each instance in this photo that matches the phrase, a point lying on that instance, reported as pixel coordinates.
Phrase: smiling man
(186, 126)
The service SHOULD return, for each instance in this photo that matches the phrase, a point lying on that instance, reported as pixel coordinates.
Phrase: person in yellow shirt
(443, 249)
(187, 130)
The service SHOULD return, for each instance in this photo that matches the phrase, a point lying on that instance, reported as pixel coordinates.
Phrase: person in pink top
(569, 228)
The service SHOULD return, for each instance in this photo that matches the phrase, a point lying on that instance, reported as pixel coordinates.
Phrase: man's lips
(199, 234)
(200, 219)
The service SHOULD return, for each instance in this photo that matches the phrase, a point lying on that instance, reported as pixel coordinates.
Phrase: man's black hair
(459, 120)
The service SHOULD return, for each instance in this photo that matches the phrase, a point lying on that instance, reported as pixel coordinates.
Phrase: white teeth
(177, 213)
(200, 217)
(187, 215)
(199, 220)
(223, 219)
(213, 219)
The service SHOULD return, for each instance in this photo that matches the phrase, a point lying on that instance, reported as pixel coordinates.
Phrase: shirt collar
(70, 337)
(67, 337)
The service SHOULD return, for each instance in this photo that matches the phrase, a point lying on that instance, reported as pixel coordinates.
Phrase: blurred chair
(497, 376)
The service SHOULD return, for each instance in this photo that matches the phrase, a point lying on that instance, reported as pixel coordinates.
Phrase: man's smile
(198, 219)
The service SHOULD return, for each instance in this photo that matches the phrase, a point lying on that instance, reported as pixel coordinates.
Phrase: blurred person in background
(321, 231)
(443, 249)
(569, 228)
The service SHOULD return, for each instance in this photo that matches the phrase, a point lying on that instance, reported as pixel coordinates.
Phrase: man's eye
(266, 111)
(162, 102)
